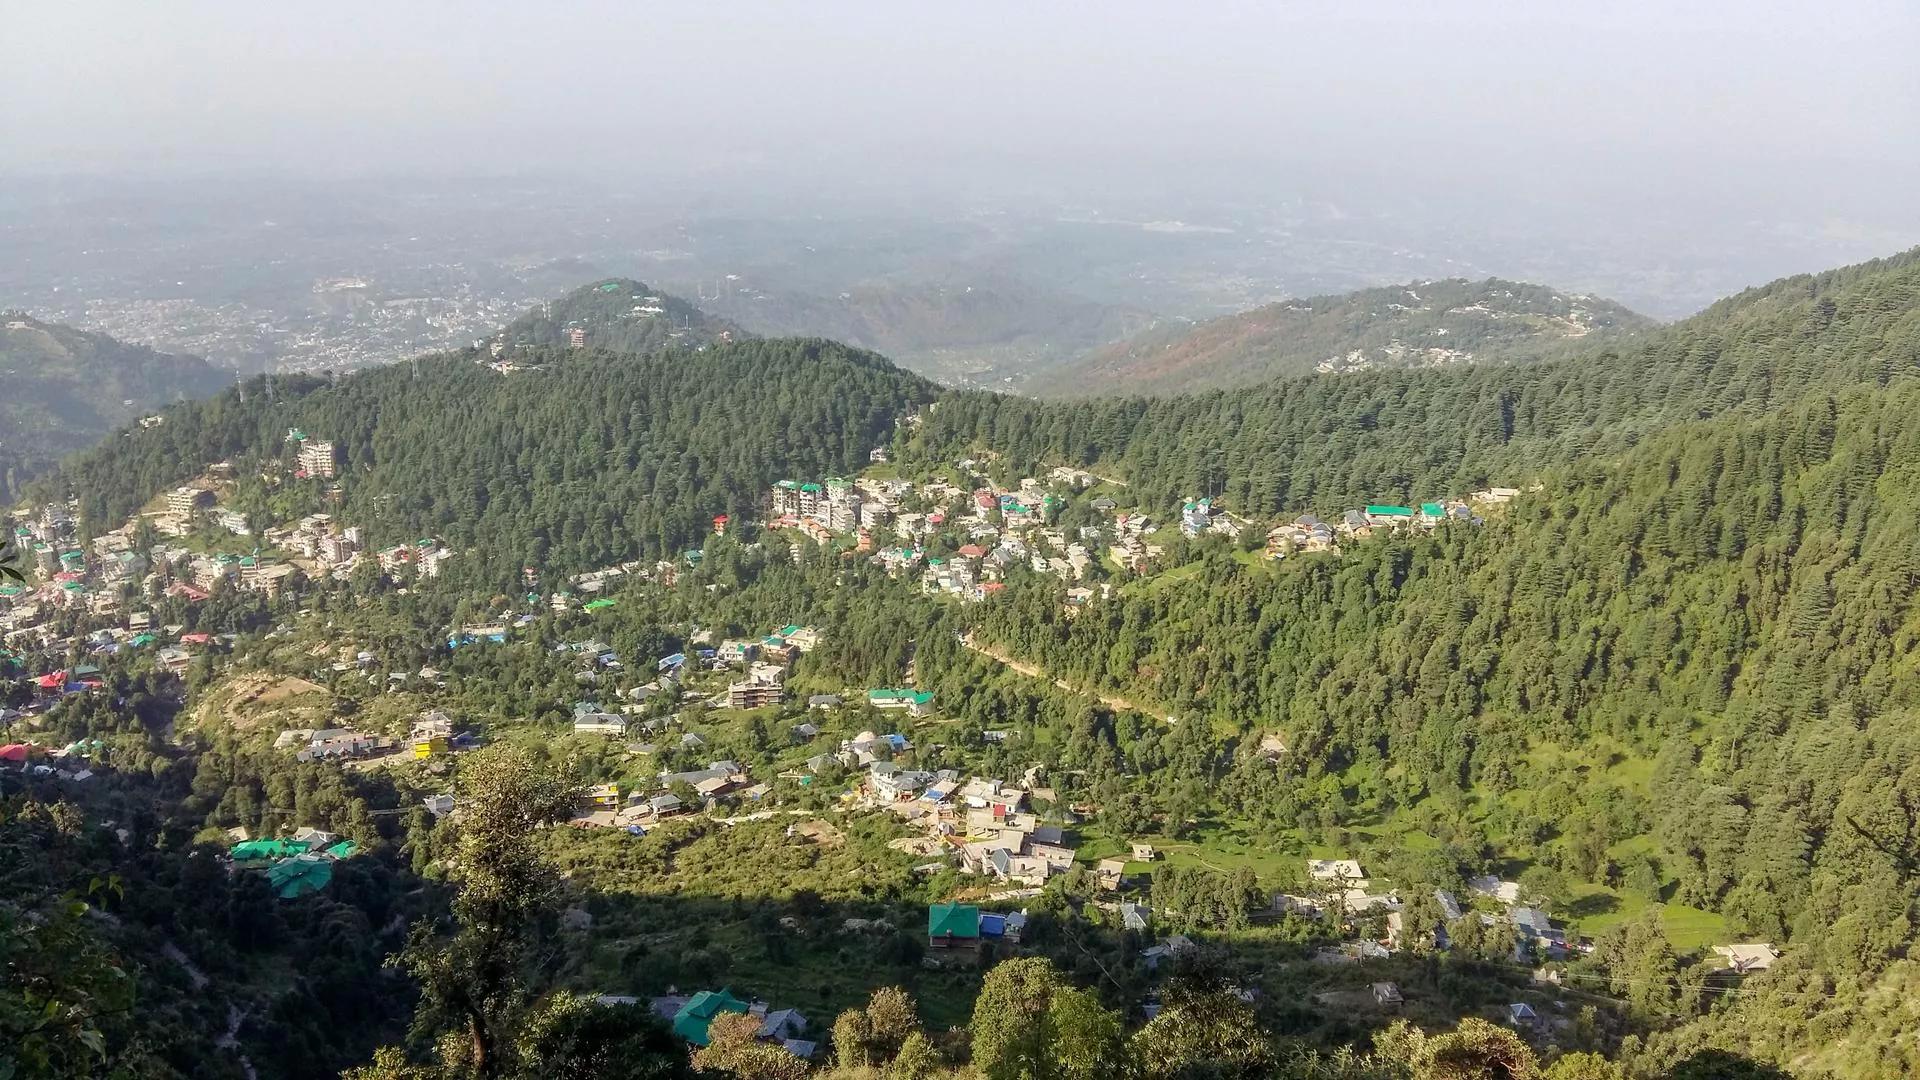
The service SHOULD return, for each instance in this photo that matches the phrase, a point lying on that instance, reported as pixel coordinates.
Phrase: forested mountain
(1727, 604)
(596, 458)
(1295, 444)
(1426, 324)
(65, 388)
(618, 315)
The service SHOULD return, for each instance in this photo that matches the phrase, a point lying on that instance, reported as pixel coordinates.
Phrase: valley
(1563, 697)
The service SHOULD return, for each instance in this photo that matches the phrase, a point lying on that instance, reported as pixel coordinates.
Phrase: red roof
(196, 638)
(993, 586)
(53, 680)
(13, 752)
(972, 551)
(721, 519)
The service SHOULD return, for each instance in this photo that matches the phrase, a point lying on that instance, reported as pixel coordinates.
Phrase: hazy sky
(1691, 88)
(1721, 116)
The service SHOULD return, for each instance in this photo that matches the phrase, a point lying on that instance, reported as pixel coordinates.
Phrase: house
(1507, 892)
(916, 702)
(878, 455)
(893, 783)
(599, 723)
(1387, 995)
(762, 688)
(1143, 853)
(1335, 869)
(953, 926)
(1134, 917)
(1746, 959)
(1389, 515)
(438, 805)
(663, 804)
(824, 701)
(782, 1026)
(1521, 1014)
(1109, 873)
(1534, 926)
(700, 1011)
(1170, 948)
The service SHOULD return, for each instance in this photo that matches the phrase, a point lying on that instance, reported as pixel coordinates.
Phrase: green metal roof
(918, 697)
(953, 920)
(698, 1014)
(1433, 510)
(597, 605)
(345, 849)
(1390, 511)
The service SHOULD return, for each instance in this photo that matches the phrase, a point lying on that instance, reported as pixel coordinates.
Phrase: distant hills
(619, 315)
(65, 388)
(973, 331)
(1426, 324)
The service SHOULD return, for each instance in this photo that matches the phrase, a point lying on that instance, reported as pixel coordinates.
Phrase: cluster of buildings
(980, 824)
(1200, 516)
(318, 537)
(431, 734)
(426, 557)
(819, 510)
(635, 806)
(766, 663)
(1308, 533)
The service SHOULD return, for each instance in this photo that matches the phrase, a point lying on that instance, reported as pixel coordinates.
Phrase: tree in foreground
(1203, 1032)
(1028, 1024)
(1476, 1050)
(483, 1006)
(1584, 1067)
(733, 1047)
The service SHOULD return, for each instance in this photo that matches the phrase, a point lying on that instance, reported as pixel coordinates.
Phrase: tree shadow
(1593, 904)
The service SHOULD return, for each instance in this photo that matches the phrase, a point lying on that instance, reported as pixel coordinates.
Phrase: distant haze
(1698, 123)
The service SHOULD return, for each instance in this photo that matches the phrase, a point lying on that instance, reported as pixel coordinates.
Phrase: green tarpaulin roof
(694, 1018)
(345, 849)
(600, 604)
(300, 875)
(248, 850)
(953, 920)
(1391, 511)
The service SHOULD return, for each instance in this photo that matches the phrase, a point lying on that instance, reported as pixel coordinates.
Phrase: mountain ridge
(67, 387)
(1432, 323)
